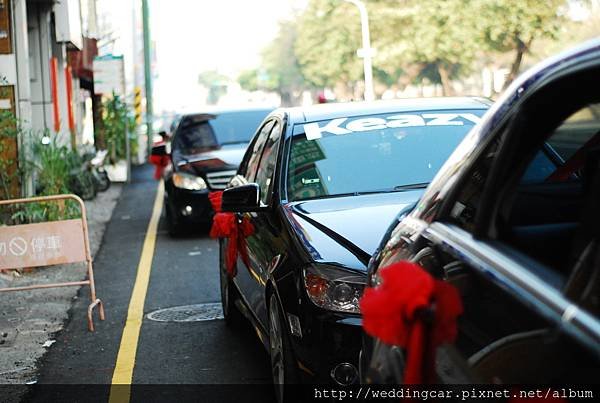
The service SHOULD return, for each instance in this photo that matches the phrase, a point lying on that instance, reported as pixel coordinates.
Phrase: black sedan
(205, 151)
(315, 192)
(512, 224)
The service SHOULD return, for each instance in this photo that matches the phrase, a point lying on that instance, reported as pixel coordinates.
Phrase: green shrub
(117, 121)
(51, 164)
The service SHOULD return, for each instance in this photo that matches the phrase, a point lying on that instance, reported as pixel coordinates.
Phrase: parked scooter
(90, 177)
(96, 166)
(81, 182)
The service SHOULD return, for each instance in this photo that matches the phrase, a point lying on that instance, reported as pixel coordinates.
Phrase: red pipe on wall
(54, 92)
(69, 81)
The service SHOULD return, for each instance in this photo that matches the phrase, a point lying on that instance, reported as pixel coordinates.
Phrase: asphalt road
(184, 272)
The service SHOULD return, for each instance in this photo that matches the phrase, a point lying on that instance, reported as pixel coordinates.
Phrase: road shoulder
(30, 319)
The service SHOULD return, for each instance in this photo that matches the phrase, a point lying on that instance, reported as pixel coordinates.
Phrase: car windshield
(194, 137)
(371, 154)
(197, 134)
(237, 127)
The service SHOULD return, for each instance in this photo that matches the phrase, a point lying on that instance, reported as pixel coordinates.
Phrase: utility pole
(366, 52)
(148, 72)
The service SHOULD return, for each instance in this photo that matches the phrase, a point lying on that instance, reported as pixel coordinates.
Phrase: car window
(367, 154)
(266, 168)
(540, 168)
(465, 207)
(543, 217)
(577, 130)
(558, 160)
(254, 154)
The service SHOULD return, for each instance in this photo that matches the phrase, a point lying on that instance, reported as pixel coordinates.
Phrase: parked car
(205, 151)
(512, 223)
(315, 192)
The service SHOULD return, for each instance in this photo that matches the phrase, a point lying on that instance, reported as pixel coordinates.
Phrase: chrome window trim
(512, 276)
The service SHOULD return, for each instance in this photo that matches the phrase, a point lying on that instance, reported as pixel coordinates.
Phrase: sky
(192, 36)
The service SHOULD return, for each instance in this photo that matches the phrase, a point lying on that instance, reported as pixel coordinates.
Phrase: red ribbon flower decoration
(159, 161)
(225, 225)
(413, 310)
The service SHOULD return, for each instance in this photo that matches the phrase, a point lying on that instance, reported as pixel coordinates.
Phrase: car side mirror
(241, 199)
(158, 155)
(159, 150)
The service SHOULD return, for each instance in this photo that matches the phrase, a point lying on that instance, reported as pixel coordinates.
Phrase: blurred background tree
(439, 37)
(117, 122)
(328, 37)
(450, 44)
(511, 26)
(280, 71)
(215, 83)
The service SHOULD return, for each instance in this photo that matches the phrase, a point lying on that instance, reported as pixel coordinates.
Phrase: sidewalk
(29, 320)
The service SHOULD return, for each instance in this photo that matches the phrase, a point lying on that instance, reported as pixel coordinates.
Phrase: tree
(440, 34)
(440, 40)
(279, 70)
(327, 42)
(281, 67)
(215, 83)
(389, 21)
(248, 80)
(406, 34)
(512, 26)
(117, 122)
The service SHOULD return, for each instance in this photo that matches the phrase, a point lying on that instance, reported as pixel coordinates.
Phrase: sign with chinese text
(109, 75)
(43, 244)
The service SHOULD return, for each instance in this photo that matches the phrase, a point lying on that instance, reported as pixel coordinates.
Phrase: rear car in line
(315, 192)
(203, 155)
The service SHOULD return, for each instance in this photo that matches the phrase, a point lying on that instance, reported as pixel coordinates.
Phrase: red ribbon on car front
(413, 310)
(226, 225)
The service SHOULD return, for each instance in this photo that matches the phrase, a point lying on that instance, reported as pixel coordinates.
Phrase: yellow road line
(120, 390)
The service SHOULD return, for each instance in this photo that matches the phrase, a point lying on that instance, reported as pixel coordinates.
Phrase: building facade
(46, 79)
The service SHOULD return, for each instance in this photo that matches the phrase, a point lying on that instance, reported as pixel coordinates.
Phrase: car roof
(344, 109)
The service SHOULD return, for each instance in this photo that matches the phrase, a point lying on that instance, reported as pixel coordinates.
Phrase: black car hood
(230, 154)
(346, 230)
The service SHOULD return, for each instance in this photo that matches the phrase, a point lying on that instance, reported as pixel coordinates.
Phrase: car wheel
(233, 317)
(282, 358)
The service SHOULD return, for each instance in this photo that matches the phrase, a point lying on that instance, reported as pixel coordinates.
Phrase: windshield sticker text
(341, 126)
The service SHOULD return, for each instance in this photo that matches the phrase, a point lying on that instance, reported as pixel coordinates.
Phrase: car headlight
(334, 289)
(189, 182)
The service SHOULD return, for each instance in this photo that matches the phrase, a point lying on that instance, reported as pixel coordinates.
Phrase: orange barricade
(48, 244)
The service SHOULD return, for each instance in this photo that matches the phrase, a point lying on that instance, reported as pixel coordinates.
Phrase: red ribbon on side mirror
(159, 161)
(225, 225)
(413, 310)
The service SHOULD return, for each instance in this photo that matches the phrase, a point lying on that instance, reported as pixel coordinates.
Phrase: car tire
(232, 315)
(283, 367)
